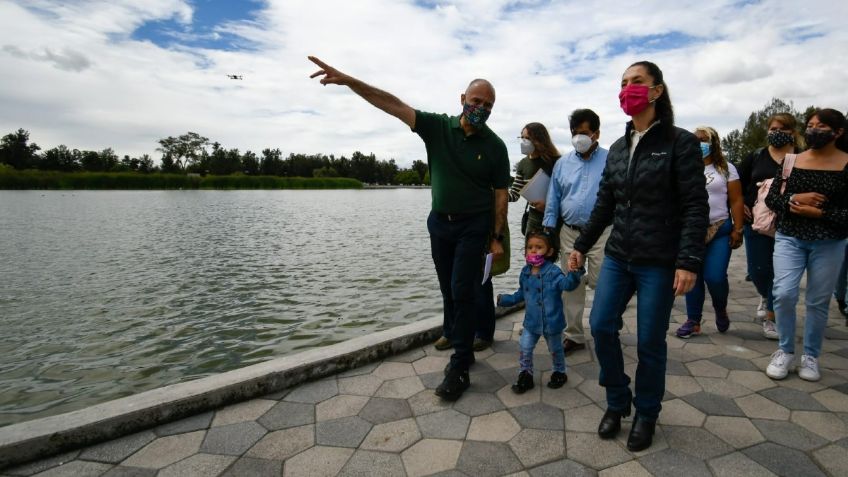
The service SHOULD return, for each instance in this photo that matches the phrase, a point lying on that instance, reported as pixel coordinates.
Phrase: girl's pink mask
(634, 98)
(536, 260)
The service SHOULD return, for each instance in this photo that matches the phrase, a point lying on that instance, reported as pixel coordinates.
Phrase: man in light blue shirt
(571, 197)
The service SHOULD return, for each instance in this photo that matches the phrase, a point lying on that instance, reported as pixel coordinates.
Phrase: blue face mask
(705, 149)
(476, 115)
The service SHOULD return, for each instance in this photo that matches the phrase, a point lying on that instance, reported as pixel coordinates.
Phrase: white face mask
(581, 142)
(527, 147)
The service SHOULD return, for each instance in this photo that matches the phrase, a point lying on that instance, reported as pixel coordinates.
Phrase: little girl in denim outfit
(541, 286)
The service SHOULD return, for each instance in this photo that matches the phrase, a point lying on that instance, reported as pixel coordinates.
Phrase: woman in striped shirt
(539, 153)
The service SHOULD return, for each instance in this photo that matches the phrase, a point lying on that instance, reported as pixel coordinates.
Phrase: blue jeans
(842, 279)
(714, 274)
(458, 249)
(759, 249)
(617, 282)
(528, 341)
(821, 259)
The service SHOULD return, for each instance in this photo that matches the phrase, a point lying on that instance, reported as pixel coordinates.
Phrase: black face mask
(818, 138)
(779, 139)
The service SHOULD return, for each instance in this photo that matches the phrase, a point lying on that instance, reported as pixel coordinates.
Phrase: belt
(573, 227)
(456, 217)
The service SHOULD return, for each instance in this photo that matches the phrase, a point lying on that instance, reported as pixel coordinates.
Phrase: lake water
(104, 294)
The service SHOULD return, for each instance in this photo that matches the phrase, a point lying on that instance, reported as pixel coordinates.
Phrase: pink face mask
(634, 98)
(536, 260)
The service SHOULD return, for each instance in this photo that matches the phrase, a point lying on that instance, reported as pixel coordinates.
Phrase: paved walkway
(721, 416)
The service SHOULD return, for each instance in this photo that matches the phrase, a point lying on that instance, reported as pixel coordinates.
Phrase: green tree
(183, 150)
(738, 144)
(16, 150)
(271, 163)
(60, 159)
(421, 168)
(250, 163)
(407, 177)
(325, 172)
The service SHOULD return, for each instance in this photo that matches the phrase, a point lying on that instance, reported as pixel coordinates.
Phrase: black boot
(455, 383)
(843, 308)
(524, 382)
(611, 423)
(641, 434)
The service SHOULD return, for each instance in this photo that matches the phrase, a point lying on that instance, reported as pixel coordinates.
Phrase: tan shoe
(442, 344)
(569, 346)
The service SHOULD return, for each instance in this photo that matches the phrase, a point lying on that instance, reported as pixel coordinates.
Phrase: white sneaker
(809, 369)
(761, 308)
(769, 331)
(780, 364)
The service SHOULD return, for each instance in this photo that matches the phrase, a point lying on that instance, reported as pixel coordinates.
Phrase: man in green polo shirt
(469, 175)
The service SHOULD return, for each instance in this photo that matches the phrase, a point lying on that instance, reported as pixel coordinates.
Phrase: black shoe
(611, 423)
(454, 384)
(641, 434)
(843, 308)
(480, 344)
(524, 382)
(448, 366)
(569, 346)
(747, 278)
(557, 380)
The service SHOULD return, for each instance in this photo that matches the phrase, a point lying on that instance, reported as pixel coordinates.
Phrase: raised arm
(377, 97)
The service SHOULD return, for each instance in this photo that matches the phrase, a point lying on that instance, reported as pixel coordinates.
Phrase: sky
(92, 74)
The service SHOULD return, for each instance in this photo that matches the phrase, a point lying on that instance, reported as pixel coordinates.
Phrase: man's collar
(482, 132)
(630, 130)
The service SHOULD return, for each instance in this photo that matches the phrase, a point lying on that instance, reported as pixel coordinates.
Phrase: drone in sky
(235, 77)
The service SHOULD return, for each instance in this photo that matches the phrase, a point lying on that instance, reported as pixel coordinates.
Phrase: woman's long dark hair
(665, 112)
(542, 143)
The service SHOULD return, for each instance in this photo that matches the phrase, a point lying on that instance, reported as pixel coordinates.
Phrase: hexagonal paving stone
(678, 412)
(723, 387)
(413, 354)
(584, 418)
(753, 380)
(510, 399)
(380, 410)
(116, 450)
(372, 464)
(487, 382)
(190, 424)
(280, 445)
(389, 370)
(739, 432)
(738, 464)
(822, 423)
(447, 424)
(564, 398)
(41, 465)
(833, 458)
(707, 369)
(242, 412)
(589, 449)
(431, 456)
(833, 400)
(476, 404)
(317, 462)
(674, 463)
(497, 427)
(696, 442)
(198, 464)
(627, 469)
(343, 405)
(401, 388)
(427, 402)
(487, 458)
(365, 385)
(121, 471)
(682, 385)
(254, 468)
(344, 432)
(789, 434)
(793, 399)
(782, 460)
(734, 363)
(534, 446)
(234, 439)
(539, 416)
(756, 406)
(314, 392)
(392, 436)
(164, 451)
(77, 468)
(430, 364)
(714, 405)
(287, 414)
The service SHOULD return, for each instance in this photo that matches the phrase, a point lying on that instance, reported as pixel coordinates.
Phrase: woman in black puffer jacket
(653, 193)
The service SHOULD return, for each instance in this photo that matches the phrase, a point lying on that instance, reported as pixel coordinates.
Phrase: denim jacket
(542, 295)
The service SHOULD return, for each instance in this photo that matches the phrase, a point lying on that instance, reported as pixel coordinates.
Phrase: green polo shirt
(464, 170)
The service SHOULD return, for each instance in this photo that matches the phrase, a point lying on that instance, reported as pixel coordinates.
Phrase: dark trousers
(458, 248)
(486, 312)
(759, 249)
(617, 282)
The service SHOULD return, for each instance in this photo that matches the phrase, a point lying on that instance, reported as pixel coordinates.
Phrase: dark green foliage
(16, 151)
(33, 179)
(738, 144)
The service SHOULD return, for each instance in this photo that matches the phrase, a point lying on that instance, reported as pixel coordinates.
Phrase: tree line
(193, 153)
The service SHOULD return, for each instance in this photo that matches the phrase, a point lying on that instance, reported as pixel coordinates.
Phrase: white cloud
(73, 74)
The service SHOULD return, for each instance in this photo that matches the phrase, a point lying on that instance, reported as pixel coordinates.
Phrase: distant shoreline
(378, 186)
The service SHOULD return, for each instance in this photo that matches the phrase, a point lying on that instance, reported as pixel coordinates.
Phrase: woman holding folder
(540, 154)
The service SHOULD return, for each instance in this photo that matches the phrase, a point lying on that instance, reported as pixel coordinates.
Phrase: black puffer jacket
(658, 207)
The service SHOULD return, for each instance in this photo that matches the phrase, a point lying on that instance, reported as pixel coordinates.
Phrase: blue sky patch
(205, 29)
(651, 43)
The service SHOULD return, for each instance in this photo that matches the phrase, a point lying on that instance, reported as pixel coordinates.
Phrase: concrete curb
(27, 441)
